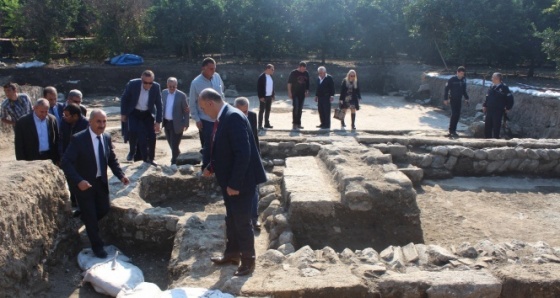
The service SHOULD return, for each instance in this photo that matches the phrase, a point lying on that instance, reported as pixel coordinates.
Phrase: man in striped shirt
(15, 105)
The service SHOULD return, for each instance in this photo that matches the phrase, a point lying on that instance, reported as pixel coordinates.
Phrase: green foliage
(8, 17)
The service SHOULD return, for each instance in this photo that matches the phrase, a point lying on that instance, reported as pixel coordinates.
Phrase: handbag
(339, 114)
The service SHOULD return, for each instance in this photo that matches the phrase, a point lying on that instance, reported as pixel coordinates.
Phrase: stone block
(423, 257)
(426, 161)
(450, 163)
(265, 201)
(397, 151)
(495, 154)
(444, 284)
(387, 253)
(532, 154)
(302, 258)
(369, 255)
(398, 178)
(286, 249)
(467, 250)
(521, 153)
(530, 280)
(547, 167)
(468, 152)
(438, 161)
(493, 166)
(480, 154)
(271, 257)
(414, 174)
(543, 153)
(480, 166)
(410, 253)
(267, 190)
(301, 147)
(440, 150)
(189, 158)
(439, 255)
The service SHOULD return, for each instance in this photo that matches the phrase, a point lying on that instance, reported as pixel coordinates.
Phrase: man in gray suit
(175, 116)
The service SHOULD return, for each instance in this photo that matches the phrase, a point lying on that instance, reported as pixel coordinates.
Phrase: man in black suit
(85, 165)
(242, 104)
(265, 91)
(235, 161)
(324, 96)
(37, 134)
(72, 123)
(140, 106)
(55, 108)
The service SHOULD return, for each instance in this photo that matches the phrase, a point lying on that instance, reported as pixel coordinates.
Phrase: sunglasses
(147, 83)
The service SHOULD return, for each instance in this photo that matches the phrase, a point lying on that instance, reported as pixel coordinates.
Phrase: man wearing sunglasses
(141, 109)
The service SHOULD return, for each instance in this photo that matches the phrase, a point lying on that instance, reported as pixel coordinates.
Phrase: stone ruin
(339, 213)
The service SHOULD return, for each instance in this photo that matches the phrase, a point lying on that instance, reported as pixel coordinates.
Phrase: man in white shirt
(175, 116)
(265, 91)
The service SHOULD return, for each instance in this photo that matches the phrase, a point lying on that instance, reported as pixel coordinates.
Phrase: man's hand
(446, 102)
(123, 118)
(232, 192)
(187, 110)
(332, 98)
(306, 93)
(316, 99)
(484, 110)
(157, 127)
(290, 95)
(206, 173)
(199, 125)
(125, 180)
(261, 99)
(84, 185)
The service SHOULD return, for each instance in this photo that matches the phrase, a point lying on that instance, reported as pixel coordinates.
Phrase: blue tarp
(126, 59)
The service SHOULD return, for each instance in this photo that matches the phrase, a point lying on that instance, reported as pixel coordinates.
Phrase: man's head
(74, 96)
(51, 95)
(210, 102)
(148, 79)
(172, 84)
(269, 70)
(41, 108)
(302, 66)
(242, 103)
(71, 113)
(496, 78)
(208, 67)
(461, 72)
(97, 121)
(322, 71)
(10, 89)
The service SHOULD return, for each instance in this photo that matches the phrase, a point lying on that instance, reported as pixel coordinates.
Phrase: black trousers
(455, 114)
(493, 123)
(239, 226)
(142, 133)
(324, 108)
(94, 205)
(264, 108)
(173, 139)
(297, 109)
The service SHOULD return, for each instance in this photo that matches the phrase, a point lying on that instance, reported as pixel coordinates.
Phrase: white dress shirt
(169, 106)
(269, 85)
(142, 104)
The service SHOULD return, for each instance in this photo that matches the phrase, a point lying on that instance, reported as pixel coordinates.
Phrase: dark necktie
(101, 156)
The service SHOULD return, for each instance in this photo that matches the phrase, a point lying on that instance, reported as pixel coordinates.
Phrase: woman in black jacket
(350, 96)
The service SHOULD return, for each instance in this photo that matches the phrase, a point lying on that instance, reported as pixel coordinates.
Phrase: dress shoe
(300, 127)
(76, 213)
(100, 253)
(257, 225)
(261, 128)
(226, 260)
(319, 126)
(246, 267)
(153, 163)
(268, 126)
(129, 157)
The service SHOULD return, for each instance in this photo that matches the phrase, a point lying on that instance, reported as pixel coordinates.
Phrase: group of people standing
(497, 103)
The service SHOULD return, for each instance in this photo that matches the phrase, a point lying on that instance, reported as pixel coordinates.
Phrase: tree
(551, 35)
(45, 21)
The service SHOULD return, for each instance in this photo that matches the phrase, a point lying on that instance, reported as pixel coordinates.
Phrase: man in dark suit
(37, 134)
(75, 96)
(324, 96)
(72, 123)
(175, 116)
(242, 104)
(265, 91)
(235, 161)
(140, 106)
(55, 108)
(85, 165)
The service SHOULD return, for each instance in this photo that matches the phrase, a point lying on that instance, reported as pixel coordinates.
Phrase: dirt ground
(449, 216)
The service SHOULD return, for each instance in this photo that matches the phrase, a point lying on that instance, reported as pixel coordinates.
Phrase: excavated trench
(346, 197)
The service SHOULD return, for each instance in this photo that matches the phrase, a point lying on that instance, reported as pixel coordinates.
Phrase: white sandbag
(87, 259)
(111, 277)
(31, 64)
(194, 293)
(143, 290)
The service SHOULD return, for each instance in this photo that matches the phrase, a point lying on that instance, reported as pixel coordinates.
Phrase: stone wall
(539, 117)
(33, 217)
